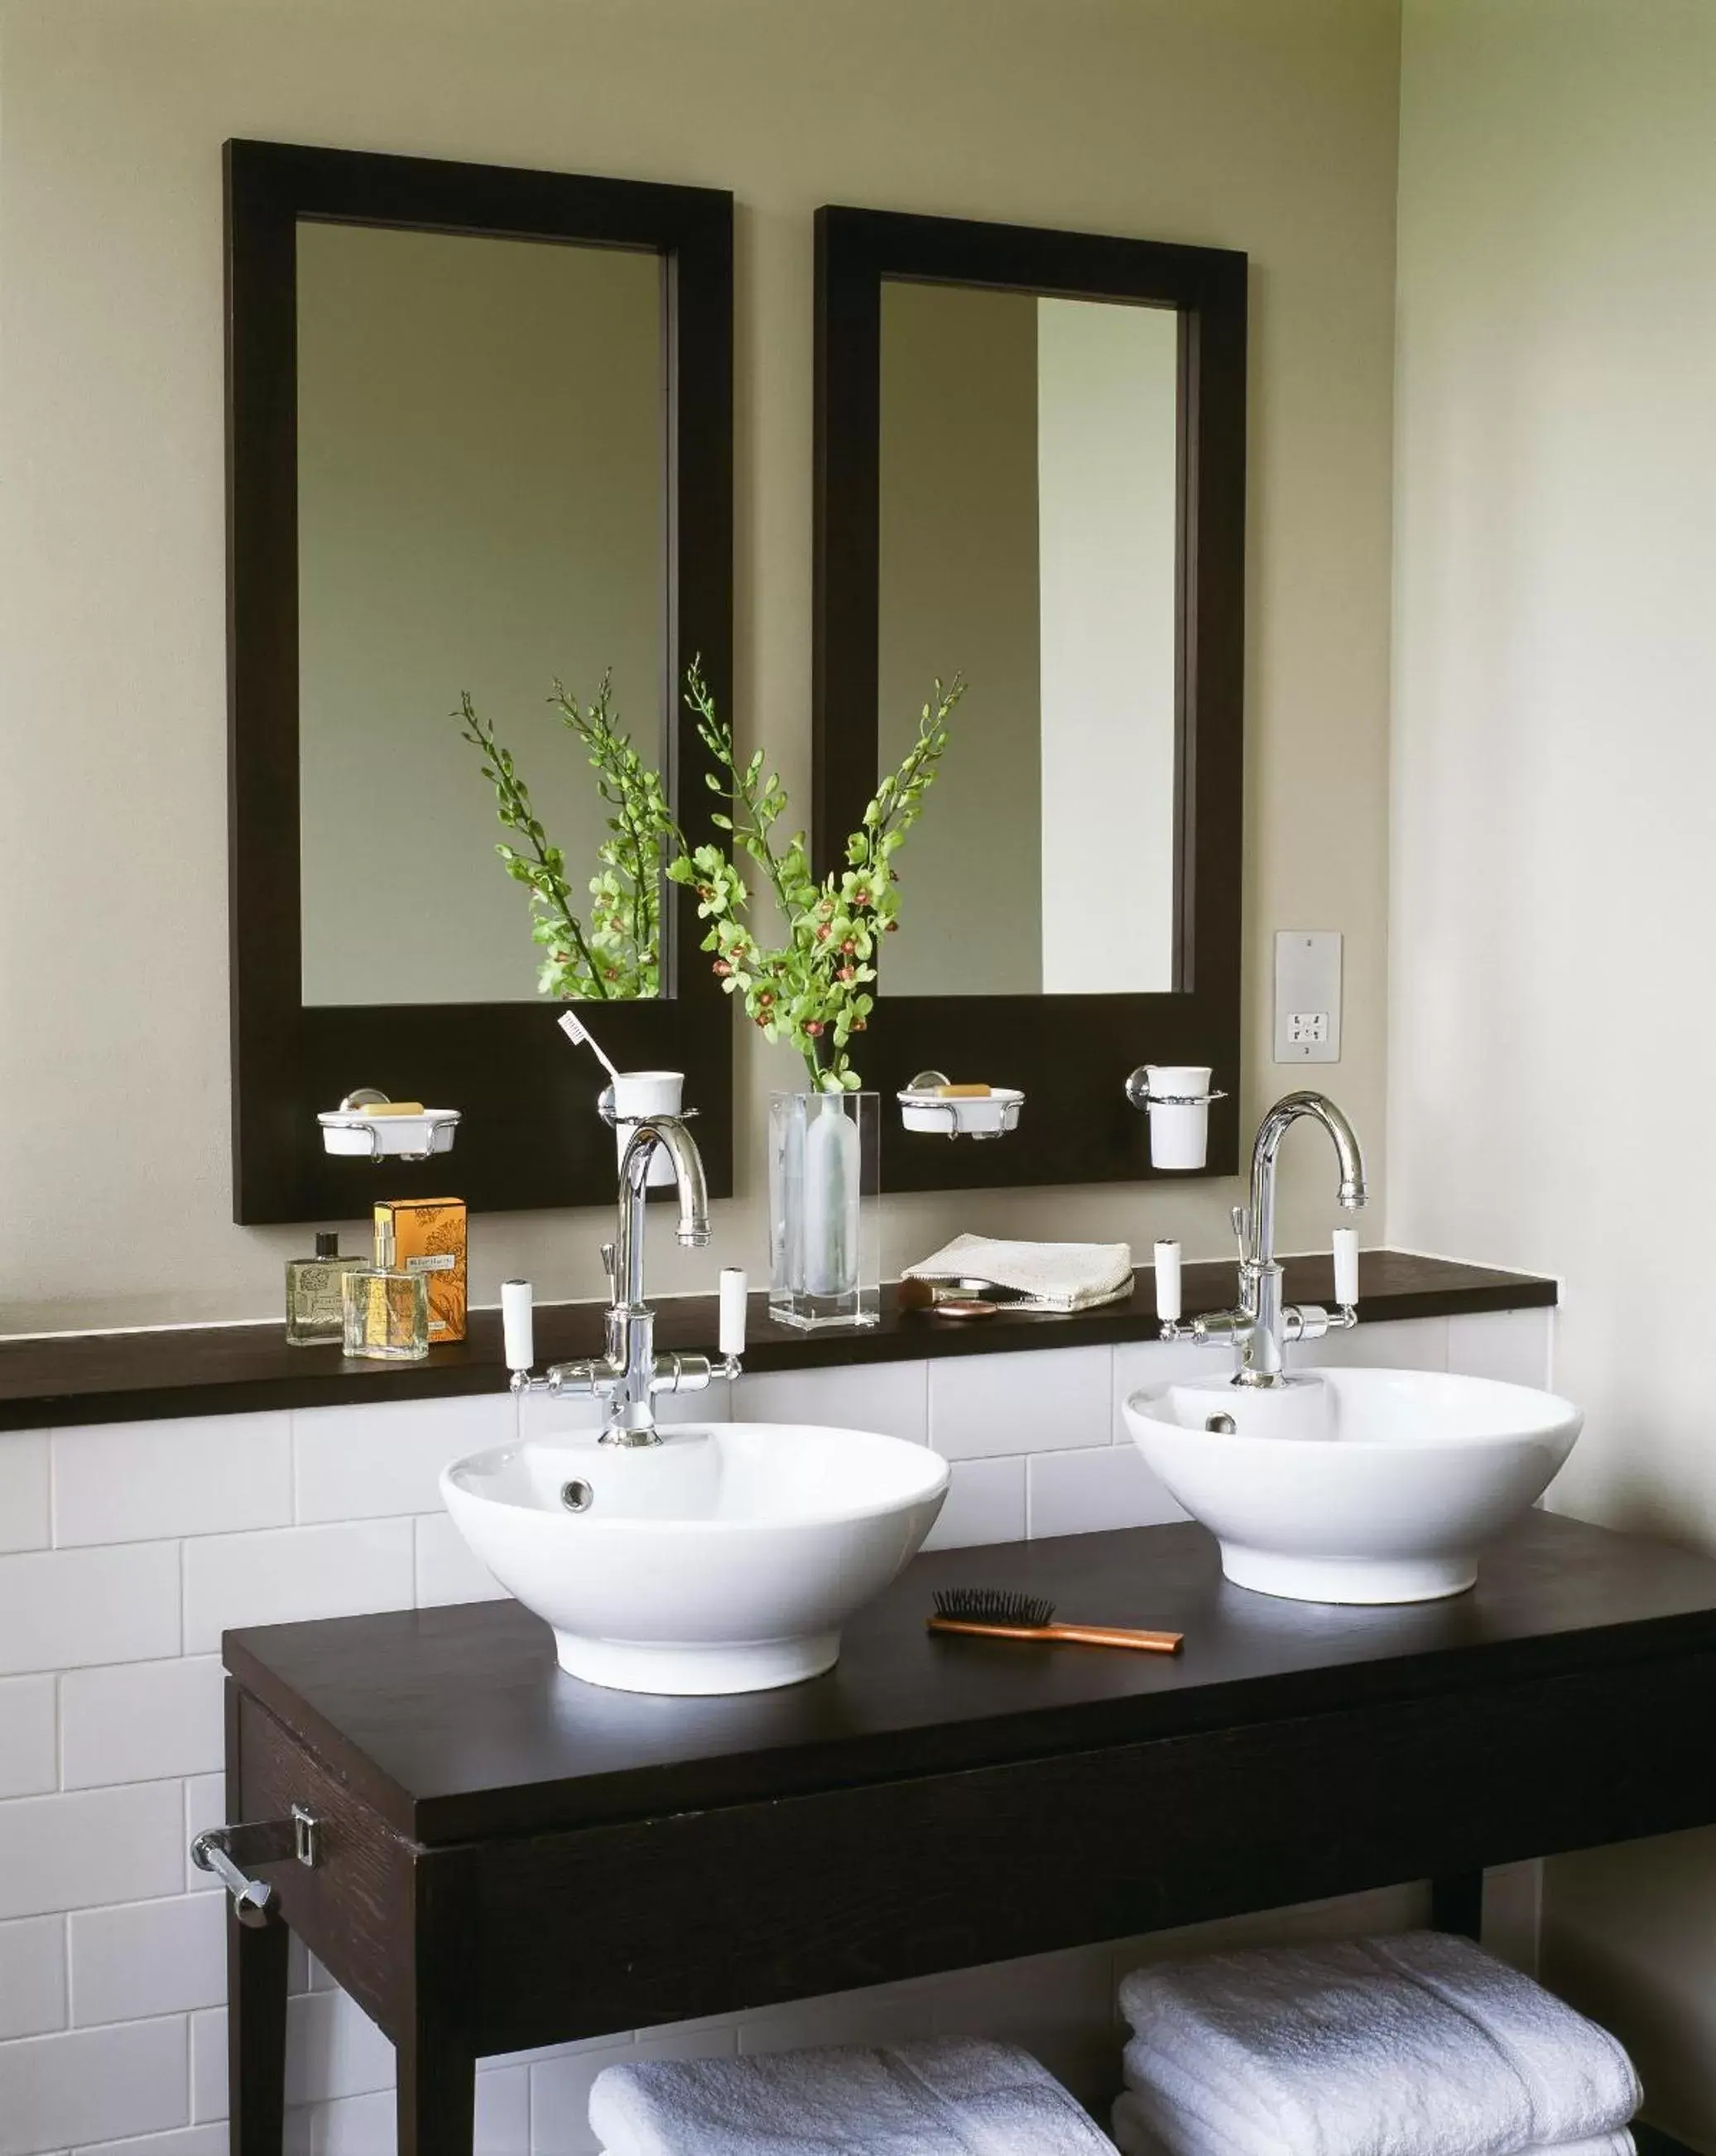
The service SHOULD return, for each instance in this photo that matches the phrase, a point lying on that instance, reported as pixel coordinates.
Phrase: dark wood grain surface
(457, 1723)
(238, 1369)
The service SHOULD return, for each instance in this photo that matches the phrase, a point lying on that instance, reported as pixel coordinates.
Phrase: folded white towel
(1045, 1276)
(1133, 2138)
(948, 2095)
(1420, 2046)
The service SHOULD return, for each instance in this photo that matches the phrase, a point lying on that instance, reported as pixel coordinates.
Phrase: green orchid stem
(813, 988)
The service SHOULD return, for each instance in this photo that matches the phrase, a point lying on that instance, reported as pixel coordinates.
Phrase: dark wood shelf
(240, 1369)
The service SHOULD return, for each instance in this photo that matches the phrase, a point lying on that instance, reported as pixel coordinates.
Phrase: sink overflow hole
(577, 1497)
(1222, 1425)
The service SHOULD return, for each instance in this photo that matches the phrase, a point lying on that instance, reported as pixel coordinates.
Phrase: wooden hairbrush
(995, 1613)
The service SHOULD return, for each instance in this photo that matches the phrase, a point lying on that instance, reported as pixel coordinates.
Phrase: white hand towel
(1421, 2045)
(1047, 1275)
(1133, 2137)
(950, 2096)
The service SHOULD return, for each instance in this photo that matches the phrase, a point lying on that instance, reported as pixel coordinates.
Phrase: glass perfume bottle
(315, 1303)
(386, 1308)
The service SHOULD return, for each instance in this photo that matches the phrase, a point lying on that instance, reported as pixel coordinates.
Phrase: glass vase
(825, 1235)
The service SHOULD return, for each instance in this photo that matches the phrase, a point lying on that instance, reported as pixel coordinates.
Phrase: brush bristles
(994, 1605)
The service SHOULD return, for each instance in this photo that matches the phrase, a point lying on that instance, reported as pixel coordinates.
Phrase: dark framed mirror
(479, 439)
(1029, 470)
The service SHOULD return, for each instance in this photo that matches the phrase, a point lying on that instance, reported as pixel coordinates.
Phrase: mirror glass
(482, 487)
(1029, 531)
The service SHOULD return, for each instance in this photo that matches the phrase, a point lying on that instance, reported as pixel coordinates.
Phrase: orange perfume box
(429, 1238)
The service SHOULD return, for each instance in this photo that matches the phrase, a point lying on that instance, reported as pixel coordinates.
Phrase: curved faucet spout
(676, 1142)
(669, 1133)
(1271, 1131)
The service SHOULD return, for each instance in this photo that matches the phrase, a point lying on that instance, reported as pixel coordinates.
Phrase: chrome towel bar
(227, 1850)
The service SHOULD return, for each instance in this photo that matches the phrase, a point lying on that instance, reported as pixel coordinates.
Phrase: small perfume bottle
(314, 1306)
(386, 1310)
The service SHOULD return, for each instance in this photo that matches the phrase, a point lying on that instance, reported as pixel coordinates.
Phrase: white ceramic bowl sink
(1354, 1485)
(724, 1559)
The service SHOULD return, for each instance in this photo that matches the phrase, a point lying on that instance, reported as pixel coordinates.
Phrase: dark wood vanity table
(508, 1858)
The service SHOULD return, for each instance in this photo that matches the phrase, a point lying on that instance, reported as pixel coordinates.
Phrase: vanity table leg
(256, 2036)
(437, 2094)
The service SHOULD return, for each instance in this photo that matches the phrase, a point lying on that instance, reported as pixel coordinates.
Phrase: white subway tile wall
(29, 1739)
(124, 1552)
(1076, 1493)
(141, 1722)
(980, 1405)
(891, 1396)
(446, 1569)
(33, 1976)
(289, 1573)
(985, 1503)
(144, 1481)
(367, 1463)
(24, 1523)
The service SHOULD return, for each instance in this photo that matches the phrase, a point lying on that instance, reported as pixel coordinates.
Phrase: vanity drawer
(355, 1908)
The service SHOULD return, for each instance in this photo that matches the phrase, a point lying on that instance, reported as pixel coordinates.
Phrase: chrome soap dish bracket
(350, 1133)
(925, 1106)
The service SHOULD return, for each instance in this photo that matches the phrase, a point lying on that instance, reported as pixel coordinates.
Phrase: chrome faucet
(1262, 1326)
(627, 1378)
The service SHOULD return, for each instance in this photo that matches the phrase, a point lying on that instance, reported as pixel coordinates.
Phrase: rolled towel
(1133, 2138)
(948, 2095)
(1420, 2046)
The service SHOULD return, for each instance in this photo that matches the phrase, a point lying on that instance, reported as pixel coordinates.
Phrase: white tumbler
(634, 1096)
(1178, 1133)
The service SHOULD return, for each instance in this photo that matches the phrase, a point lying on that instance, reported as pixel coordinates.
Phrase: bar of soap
(408, 1107)
(963, 1092)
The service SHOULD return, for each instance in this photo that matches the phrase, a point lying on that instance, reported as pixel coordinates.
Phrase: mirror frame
(531, 1136)
(1071, 1053)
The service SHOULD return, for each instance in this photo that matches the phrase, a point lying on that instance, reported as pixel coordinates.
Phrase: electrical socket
(1307, 964)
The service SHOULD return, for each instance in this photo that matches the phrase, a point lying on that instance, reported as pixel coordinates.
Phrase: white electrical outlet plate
(1307, 996)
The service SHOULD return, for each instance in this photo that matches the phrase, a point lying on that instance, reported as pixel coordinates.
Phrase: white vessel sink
(1354, 1485)
(724, 1559)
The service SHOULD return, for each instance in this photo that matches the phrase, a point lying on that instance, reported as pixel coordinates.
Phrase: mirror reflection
(1029, 450)
(481, 488)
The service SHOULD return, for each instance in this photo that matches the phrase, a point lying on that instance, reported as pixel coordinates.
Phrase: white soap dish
(355, 1134)
(922, 1106)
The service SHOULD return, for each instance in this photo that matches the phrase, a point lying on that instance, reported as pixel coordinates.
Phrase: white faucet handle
(1346, 1266)
(518, 1324)
(734, 1289)
(1167, 1263)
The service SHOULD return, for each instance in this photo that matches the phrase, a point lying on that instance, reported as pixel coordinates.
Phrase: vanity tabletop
(456, 1723)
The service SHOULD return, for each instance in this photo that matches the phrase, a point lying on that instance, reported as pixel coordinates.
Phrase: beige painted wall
(1554, 767)
(480, 471)
(1237, 123)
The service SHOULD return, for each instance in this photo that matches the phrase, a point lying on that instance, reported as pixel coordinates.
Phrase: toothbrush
(999, 1614)
(574, 1028)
